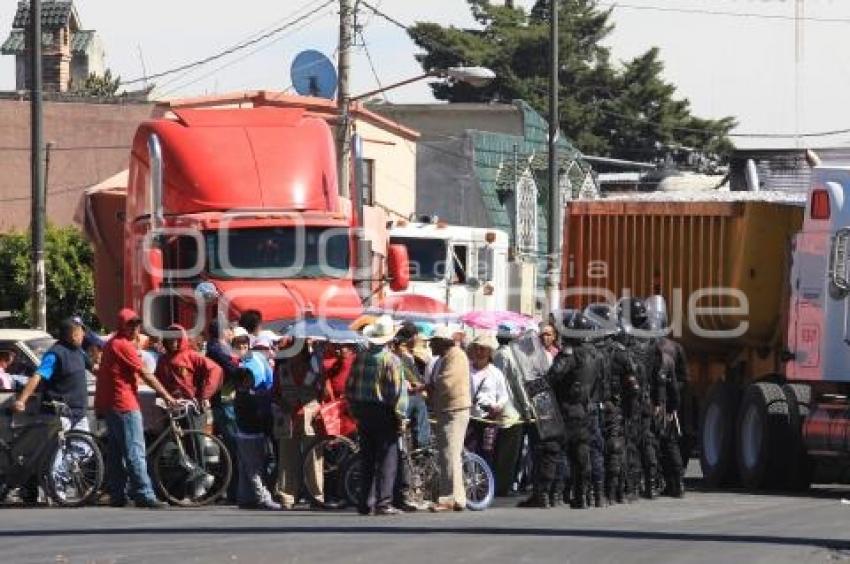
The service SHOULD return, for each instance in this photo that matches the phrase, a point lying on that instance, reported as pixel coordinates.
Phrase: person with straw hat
(492, 408)
(452, 402)
(377, 395)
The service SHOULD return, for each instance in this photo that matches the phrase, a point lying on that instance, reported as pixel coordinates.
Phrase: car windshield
(40, 345)
(427, 258)
(279, 252)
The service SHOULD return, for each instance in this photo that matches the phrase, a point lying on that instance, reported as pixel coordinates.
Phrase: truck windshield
(279, 252)
(427, 258)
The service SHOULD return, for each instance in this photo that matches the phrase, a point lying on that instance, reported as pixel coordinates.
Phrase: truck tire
(799, 397)
(717, 452)
(764, 430)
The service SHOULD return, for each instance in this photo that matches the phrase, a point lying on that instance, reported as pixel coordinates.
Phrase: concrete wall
(395, 168)
(434, 121)
(91, 143)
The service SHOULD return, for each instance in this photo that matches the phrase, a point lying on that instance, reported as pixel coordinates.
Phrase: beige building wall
(394, 158)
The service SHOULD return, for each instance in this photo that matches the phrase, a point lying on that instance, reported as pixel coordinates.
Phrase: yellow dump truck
(743, 275)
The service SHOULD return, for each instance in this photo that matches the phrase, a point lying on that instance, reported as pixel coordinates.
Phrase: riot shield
(539, 401)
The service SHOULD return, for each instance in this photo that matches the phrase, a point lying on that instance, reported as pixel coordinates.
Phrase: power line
(706, 12)
(245, 56)
(372, 66)
(433, 44)
(181, 76)
(234, 48)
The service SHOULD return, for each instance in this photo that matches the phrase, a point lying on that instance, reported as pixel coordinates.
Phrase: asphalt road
(704, 527)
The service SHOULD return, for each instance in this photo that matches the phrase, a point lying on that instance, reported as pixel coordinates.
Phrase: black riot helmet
(577, 328)
(633, 314)
(604, 319)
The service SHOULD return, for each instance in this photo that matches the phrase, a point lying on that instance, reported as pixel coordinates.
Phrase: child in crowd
(253, 420)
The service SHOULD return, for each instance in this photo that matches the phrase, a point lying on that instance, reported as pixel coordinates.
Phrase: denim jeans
(126, 457)
(417, 412)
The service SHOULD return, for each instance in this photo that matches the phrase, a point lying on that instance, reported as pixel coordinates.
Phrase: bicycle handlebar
(182, 408)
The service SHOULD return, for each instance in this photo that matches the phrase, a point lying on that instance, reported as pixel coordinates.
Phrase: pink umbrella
(490, 320)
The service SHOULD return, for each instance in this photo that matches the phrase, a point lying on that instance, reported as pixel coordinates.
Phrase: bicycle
(424, 472)
(334, 452)
(67, 464)
(189, 467)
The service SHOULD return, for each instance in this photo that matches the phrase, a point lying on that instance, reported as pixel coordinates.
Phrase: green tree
(100, 86)
(69, 271)
(626, 111)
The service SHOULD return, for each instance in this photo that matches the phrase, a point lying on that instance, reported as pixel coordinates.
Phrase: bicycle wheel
(478, 481)
(331, 453)
(74, 471)
(194, 472)
(352, 477)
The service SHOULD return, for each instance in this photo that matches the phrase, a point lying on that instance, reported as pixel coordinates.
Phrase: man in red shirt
(186, 373)
(117, 400)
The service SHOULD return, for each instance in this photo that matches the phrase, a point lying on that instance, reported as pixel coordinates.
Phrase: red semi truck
(758, 288)
(239, 208)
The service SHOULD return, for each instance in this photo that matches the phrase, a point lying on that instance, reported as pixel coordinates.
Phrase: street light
(476, 77)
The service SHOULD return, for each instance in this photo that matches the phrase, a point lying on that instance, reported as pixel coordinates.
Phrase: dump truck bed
(682, 248)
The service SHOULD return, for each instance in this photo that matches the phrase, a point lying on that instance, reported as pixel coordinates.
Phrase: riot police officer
(536, 401)
(574, 376)
(667, 398)
(640, 390)
(618, 369)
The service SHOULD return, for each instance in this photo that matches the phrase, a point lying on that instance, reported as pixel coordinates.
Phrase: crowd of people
(583, 411)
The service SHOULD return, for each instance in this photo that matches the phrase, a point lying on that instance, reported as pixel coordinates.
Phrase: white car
(29, 345)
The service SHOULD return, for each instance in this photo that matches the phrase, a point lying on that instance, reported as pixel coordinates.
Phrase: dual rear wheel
(754, 438)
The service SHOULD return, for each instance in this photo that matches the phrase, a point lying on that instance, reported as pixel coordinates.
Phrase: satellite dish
(313, 74)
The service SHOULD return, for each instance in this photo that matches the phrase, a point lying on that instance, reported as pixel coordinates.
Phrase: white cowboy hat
(381, 331)
(443, 333)
(486, 340)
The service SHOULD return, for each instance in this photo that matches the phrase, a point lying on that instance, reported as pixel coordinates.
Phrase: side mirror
(486, 263)
(153, 269)
(399, 268)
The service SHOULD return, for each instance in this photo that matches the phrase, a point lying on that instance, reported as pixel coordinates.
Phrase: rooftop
(15, 44)
(55, 14)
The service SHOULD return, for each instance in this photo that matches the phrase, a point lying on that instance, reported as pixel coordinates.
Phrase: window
(459, 262)
(272, 252)
(427, 258)
(367, 181)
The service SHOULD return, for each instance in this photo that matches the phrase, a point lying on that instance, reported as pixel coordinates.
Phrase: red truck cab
(245, 201)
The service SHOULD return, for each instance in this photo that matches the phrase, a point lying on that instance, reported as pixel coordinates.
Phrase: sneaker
(365, 511)
(407, 506)
(150, 503)
(269, 505)
(202, 486)
(388, 510)
(441, 507)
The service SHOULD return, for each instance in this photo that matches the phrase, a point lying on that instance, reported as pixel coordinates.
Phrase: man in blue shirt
(63, 371)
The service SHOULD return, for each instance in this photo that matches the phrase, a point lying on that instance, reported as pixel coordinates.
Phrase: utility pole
(553, 247)
(39, 286)
(343, 144)
(799, 27)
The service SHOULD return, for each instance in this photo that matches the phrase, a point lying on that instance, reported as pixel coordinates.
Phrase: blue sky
(742, 66)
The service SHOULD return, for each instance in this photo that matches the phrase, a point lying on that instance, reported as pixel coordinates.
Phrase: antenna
(313, 74)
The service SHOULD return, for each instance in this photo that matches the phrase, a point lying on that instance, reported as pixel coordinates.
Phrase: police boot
(580, 499)
(648, 488)
(597, 495)
(538, 500)
(676, 487)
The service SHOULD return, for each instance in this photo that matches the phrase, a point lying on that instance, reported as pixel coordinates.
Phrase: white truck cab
(465, 268)
(819, 334)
